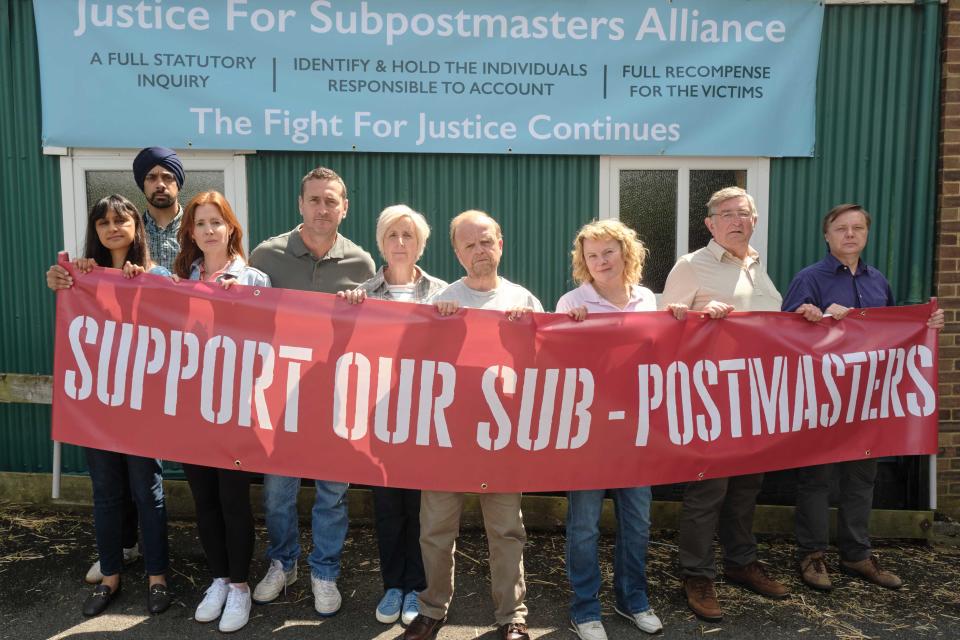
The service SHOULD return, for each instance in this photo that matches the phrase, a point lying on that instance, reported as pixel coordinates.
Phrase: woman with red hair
(211, 250)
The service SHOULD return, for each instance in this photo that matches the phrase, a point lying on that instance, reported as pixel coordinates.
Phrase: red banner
(304, 384)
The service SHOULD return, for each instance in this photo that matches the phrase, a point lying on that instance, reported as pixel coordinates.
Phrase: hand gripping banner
(383, 393)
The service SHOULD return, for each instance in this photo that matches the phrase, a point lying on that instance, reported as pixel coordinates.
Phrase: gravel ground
(43, 558)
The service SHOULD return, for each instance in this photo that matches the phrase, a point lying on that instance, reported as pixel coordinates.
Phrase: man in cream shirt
(724, 276)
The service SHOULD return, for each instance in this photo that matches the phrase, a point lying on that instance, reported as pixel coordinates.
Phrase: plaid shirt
(163, 242)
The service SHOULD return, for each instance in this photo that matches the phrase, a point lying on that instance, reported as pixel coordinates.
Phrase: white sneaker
(592, 630)
(94, 576)
(237, 610)
(212, 604)
(276, 581)
(326, 596)
(647, 621)
(411, 607)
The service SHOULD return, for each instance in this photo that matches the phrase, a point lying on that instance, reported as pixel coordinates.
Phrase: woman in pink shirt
(608, 263)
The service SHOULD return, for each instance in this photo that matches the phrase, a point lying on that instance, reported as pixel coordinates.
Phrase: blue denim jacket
(238, 270)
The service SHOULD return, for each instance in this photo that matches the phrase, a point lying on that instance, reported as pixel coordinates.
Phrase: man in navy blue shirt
(835, 285)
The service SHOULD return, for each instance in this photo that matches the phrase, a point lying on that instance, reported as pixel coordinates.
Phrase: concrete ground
(43, 557)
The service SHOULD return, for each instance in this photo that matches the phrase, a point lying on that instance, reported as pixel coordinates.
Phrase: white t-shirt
(506, 296)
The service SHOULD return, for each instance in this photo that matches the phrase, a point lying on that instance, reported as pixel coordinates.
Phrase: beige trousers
(439, 528)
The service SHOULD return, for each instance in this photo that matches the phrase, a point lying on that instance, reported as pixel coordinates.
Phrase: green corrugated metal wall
(30, 236)
(878, 95)
(877, 105)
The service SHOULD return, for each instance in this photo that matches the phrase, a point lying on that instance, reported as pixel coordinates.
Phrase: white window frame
(758, 185)
(75, 162)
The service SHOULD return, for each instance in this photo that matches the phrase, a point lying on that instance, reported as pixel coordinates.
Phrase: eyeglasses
(728, 216)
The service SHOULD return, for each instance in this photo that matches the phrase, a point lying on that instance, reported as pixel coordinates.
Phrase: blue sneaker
(388, 611)
(411, 608)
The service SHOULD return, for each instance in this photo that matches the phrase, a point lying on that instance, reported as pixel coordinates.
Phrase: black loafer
(97, 602)
(158, 599)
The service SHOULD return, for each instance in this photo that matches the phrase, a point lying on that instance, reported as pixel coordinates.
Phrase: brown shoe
(513, 631)
(423, 628)
(813, 572)
(754, 577)
(869, 569)
(702, 598)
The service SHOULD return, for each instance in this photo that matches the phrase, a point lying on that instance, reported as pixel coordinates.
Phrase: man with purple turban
(159, 174)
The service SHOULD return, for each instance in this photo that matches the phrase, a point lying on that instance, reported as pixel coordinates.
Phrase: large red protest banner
(303, 384)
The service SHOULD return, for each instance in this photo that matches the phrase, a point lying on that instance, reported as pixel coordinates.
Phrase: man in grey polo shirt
(311, 257)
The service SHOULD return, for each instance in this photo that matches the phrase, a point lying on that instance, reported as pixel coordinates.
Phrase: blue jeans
(108, 473)
(632, 508)
(329, 524)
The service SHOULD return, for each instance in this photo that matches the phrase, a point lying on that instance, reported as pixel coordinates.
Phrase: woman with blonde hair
(608, 264)
(401, 237)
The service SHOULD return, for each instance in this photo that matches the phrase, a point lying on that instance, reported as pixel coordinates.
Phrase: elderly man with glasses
(724, 276)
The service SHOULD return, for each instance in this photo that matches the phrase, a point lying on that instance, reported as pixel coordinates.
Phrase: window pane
(648, 203)
(703, 184)
(104, 183)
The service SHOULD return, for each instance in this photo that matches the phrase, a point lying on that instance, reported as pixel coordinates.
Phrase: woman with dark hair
(115, 238)
(211, 250)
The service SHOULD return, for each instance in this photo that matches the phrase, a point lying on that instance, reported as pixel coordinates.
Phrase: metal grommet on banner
(483, 486)
(867, 451)
(256, 292)
(863, 313)
(236, 463)
(700, 476)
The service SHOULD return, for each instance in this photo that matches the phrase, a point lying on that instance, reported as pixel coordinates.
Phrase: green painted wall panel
(30, 236)
(877, 115)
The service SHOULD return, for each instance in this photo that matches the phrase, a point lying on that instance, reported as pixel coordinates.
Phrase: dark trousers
(724, 506)
(857, 478)
(111, 474)
(128, 526)
(224, 519)
(397, 516)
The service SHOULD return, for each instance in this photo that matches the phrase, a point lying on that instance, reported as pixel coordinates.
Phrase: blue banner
(713, 77)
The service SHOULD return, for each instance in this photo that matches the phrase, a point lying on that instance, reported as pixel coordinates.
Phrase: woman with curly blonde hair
(608, 264)
(615, 279)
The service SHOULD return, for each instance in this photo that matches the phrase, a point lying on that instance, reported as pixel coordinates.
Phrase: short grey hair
(395, 213)
(729, 193)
